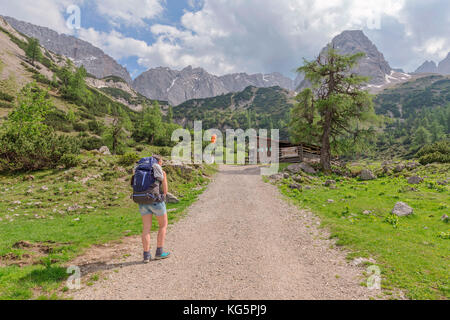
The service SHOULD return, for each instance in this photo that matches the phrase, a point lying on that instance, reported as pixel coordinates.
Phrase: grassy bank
(412, 251)
(49, 217)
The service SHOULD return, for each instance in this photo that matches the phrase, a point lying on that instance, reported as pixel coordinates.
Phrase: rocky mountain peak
(427, 67)
(196, 83)
(81, 52)
(430, 67)
(444, 65)
(373, 65)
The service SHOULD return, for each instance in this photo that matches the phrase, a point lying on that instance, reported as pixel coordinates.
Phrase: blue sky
(225, 36)
(173, 11)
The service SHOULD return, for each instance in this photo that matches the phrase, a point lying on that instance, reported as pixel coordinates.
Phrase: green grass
(43, 219)
(413, 252)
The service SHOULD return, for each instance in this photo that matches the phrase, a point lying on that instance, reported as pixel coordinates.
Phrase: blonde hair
(157, 157)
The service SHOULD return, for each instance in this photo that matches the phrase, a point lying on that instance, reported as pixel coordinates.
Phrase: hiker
(149, 191)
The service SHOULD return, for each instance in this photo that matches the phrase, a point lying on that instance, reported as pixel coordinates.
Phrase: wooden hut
(289, 152)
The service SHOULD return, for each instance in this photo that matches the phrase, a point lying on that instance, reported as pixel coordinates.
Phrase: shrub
(42, 79)
(5, 105)
(80, 126)
(392, 219)
(26, 142)
(33, 152)
(165, 151)
(57, 120)
(70, 160)
(436, 152)
(128, 159)
(96, 127)
(91, 143)
(6, 97)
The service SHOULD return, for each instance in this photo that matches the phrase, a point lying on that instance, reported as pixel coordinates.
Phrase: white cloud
(259, 35)
(435, 47)
(114, 43)
(48, 13)
(225, 36)
(130, 12)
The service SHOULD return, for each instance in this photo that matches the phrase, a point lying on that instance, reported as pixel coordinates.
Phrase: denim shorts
(158, 209)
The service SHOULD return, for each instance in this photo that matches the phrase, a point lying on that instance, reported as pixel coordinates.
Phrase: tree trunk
(325, 153)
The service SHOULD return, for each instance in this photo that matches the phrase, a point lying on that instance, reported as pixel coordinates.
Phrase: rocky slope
(427, 67)
(81, 52)
(430, 67)
(373, 65)
(178, 86)
(444, 65)
(196, 83)
(239, 81)
(120, 91)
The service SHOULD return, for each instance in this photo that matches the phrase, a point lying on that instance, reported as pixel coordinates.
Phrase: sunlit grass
(414, 254)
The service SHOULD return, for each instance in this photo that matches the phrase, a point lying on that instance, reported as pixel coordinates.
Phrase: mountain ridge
(95, 61)
(442, 67)
(175, 86)
(373, 65)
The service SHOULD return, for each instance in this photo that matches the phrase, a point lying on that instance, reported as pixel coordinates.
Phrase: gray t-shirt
(158, 172)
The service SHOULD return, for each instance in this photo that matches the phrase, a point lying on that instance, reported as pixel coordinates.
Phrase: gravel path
(240, 240)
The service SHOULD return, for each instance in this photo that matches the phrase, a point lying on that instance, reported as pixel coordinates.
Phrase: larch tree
(33, 50)
(334, 107)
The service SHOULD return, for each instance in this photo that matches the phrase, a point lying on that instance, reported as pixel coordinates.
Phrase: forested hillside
(252, 108)
(49, 110)
(416, 113)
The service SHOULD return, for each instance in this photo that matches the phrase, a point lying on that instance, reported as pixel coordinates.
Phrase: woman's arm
(165, 184)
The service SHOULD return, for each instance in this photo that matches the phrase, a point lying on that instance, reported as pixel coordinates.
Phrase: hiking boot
(163, 255)
(147, 257)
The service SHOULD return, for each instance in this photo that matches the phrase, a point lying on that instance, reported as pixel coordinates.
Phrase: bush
(6, 97)
(96, 127)
(128, 159)
(91, 143)
(436, 152)
(165, 151)
(70, 160)
(42, 79)
(26, 141)
(34, 152)
(435, 157)
(80, 126)
(57, 120)
(5, 105)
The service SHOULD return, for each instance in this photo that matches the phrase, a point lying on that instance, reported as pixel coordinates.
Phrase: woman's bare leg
(163, 222)
(147, 228)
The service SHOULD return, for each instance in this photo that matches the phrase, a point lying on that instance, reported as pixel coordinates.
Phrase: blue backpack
(145, 186)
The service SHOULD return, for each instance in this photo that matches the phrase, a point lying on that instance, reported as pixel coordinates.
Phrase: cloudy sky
(225, 36)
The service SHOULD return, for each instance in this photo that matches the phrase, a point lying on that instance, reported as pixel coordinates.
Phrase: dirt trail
(240, 240)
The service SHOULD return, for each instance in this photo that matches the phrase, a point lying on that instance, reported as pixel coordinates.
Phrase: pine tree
(421, 137)
(115, 136)
(335, 106)
(169, 117)
(33, 50)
